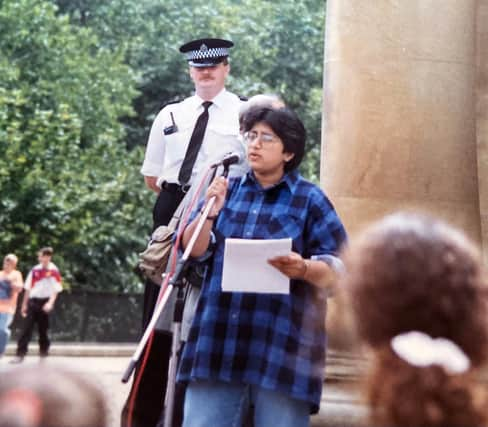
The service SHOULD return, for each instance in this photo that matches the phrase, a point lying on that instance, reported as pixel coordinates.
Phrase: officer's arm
(155, 153)
(151, 183)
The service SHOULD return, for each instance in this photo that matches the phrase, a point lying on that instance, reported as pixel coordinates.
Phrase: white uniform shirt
(43, 282)
(165, 153)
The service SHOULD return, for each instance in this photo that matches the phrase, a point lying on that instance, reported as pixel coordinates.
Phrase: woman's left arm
(318, 273)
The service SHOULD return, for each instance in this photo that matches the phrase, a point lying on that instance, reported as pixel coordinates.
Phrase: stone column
(482, 117)
(399, 128)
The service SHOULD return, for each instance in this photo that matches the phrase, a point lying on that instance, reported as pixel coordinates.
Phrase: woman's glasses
(264, 138)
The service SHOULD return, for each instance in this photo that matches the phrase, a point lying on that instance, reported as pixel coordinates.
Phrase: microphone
(229, 159)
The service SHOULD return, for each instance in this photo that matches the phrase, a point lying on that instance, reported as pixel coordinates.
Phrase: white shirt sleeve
(156, 147)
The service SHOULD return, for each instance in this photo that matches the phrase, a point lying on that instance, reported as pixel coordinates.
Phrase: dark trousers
(165, 206)
(35, 314)
(149, 397)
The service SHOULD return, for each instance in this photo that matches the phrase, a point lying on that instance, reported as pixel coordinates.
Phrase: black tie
(194, 145)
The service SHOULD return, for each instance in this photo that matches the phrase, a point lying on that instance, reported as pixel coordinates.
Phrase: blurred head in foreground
(42, 396)
(418, 293)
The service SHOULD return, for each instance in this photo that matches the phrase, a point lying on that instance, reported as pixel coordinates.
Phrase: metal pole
(178, 313)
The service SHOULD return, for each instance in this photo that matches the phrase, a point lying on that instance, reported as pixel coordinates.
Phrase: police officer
(185, 137)
(174, 126)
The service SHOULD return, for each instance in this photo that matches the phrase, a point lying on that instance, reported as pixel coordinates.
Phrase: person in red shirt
(41, 287)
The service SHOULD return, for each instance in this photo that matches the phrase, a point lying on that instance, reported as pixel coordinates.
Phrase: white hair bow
(419, 349)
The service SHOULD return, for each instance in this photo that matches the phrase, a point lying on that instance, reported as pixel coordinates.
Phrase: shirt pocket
(229, 224)
(177, 143)
(283, 226)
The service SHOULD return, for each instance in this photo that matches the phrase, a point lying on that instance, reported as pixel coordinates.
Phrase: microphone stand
(178, 281)
(166, 290)
(170, 281)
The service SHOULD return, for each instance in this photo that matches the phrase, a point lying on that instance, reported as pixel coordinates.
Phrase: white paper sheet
(246, 268)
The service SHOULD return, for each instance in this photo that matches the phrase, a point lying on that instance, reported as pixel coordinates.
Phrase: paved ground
(105, 364)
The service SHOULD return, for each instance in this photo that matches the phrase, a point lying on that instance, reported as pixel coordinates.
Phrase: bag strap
(185, 202)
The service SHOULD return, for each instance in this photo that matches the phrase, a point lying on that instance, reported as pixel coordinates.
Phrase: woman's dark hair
(411, 272)
(284, 123)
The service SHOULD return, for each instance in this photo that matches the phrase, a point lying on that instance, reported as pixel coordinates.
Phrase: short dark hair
(47, 250)
(286, 124)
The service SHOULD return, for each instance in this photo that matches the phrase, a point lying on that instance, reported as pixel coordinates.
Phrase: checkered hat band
(214, 52)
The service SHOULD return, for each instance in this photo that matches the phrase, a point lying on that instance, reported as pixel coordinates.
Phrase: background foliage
(80, 83)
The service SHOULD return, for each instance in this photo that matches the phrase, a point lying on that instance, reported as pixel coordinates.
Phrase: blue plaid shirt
(273, 341)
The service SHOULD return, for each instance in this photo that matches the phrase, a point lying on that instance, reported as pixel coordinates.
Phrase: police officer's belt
(174, 188)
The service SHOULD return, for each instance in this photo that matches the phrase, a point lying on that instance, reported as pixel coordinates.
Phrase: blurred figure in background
(42, 396)
(10, 286)
(418, 293)
(261, 100)
(41, 287)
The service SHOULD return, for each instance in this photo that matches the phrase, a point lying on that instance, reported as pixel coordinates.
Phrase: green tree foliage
(80, 84)
(278, 49)
(65, 179)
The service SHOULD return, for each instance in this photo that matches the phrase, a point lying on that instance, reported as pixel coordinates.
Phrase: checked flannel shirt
(273, 341)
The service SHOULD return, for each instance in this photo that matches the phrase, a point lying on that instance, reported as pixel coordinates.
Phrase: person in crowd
(263, 349)
(41, 289)
(268, 100)
(50, 396)
(11, 283)
(259, 100)
(185, 137)
(255, 101)
(418, 293)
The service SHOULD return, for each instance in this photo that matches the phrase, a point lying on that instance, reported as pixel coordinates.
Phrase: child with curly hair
(418, 293)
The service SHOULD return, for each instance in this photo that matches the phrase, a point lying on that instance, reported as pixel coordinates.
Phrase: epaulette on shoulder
(243, 98)
(175, 101)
